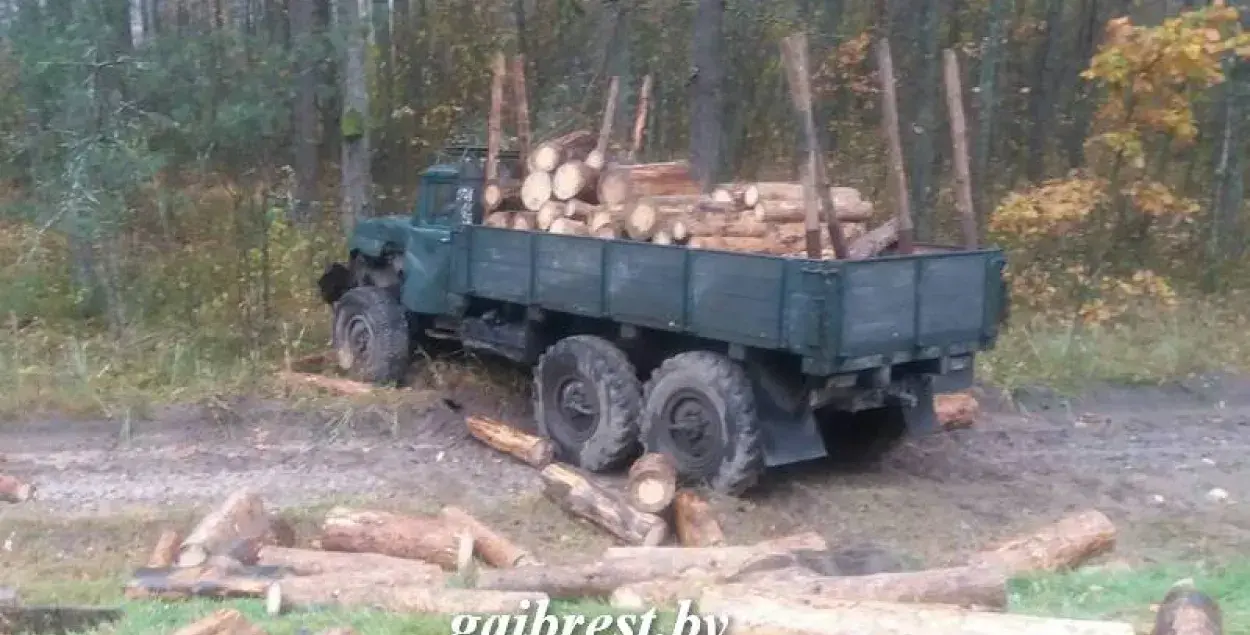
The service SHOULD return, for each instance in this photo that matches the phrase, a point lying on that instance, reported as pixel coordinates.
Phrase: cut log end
(652, 482)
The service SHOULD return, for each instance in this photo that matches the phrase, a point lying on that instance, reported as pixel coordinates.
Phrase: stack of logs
(661, 203)
(451, 563)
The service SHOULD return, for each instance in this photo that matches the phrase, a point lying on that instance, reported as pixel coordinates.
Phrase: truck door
(427, 260)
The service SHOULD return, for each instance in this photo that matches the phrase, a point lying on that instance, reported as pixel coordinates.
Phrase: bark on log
(751, 610)
(740, 244)
(365, 590)
(652, 482)
(575, 179)
(535, 190)
(898, 172)
(165, 552)
(201, 581)
(548, 213)
(875, 241)
(416, 537)
(793, 211)
(501, 195)
(1065, 544)
(581, 497)
(695, 522)
(621, 183)
(498, 219)
(984, 588)
(548, 155)
(494, 119)
(600, 579)
(569, 227)
(735, 228)
(14, 490)
(222, 622)
(331, 384)
(1188, 611)
(236, 521)
(533, 450)
(494, 549)
(305, 562)
(956, 410)
(709, 556)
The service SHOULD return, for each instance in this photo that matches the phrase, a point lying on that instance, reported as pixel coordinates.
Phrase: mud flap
(917, 405)
(784, 415)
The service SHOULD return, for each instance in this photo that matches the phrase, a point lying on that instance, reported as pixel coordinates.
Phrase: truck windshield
(448, 203)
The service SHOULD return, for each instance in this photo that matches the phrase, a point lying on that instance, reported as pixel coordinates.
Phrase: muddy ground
(1147, 457)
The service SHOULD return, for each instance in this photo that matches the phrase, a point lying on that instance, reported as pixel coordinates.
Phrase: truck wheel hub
(577, 406)
(693, 427)
(358, 334)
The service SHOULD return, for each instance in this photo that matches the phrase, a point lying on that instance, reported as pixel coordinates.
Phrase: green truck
(730, 363)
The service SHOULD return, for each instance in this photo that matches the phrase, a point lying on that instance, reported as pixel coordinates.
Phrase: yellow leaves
(1156, 199)
(1050, 209)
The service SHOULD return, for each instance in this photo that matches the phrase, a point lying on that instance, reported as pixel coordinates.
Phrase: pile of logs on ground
(452, 563)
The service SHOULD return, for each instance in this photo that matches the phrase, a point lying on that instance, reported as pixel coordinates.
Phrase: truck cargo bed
(838, 315)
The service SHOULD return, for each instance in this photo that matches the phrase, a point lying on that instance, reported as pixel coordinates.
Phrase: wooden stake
(640, 118)
(816, 191)
(959, 145)
(598, 157)
(522, 107)
(889, 120)
(494, 122)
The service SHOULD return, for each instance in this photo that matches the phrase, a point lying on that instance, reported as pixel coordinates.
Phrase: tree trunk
(707, 76)
(305, 130)
(533, 450)
(988, 103)
(652, 482)
(598, 157)
(354, 125)
(419, 538)
(228, 528)
(581, 497)
(755, 610)
(695, 521)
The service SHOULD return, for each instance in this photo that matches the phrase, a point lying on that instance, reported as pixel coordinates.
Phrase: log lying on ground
(331, 384)
(548, 155)
(304, 562)
(222, 622)
(752, 610)
(652, 482)
(363, 590)
(1065, 544)
(575, 179)
(696, 524)
(600, 579)
(494, 549)
(980, 587)
(365, 531)
(14, 490)
(533, 450)
(1188, 611)
(165, 552)
(581, 497)
(956, 410)
(205, 581)
(536, 190)
(875, 241)
(678, 558)
(235, 527)
(619, 184)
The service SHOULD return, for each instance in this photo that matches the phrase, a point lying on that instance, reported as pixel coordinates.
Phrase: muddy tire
(699, 408)
(586, 399)
(371, 338)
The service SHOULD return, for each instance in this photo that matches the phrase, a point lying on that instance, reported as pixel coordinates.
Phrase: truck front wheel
(371, 335)
(699, 408)
(586, 399)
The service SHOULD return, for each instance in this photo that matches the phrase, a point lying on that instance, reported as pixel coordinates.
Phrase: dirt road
(1147, 457)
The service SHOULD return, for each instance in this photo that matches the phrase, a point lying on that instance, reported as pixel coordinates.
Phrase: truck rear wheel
(371, 335)
(699, 408)
(586, 399)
